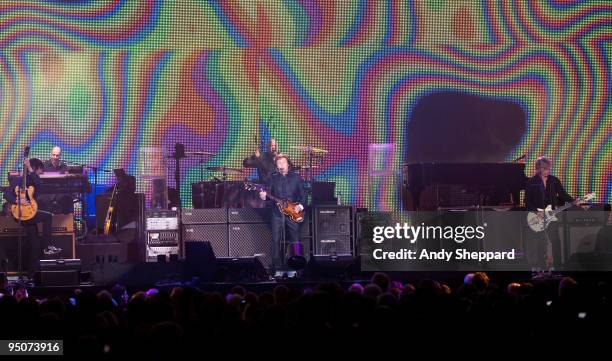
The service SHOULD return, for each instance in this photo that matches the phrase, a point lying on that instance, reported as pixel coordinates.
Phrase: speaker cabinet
(216, 234)
(582, 239)
(251, 240)
(249, 215)
(333, 230)
(61, 246)
(204, 216)
(333, 245)
(334, 220)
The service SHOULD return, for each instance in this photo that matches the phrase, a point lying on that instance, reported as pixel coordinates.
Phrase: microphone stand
(179, 153)
(24, 174)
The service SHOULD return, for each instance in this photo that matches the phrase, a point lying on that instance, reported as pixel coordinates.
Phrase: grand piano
(429, 186)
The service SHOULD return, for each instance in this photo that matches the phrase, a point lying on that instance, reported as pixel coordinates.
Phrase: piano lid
(492, 180)
(500, 175)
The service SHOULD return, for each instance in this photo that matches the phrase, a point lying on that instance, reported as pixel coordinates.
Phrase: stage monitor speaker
(251, 240)
(58, 272)
(240, 269)
(200, 261)
(216, 234)
(205, 216)
(333, 267)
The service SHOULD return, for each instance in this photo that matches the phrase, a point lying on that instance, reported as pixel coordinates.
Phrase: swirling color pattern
(103, 79)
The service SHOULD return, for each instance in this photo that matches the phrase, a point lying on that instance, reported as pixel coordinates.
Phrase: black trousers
(34, 245)
(540, 240)
(281, 225)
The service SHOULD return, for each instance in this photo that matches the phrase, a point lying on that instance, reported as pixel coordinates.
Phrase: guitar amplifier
(333, 229)
(216, 234)
(249, 215)
(251, 240)
(61, 246)
(60, 224)
(205, 216)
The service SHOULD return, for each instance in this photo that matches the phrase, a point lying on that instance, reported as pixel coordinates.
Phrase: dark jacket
(538, 196)
(264, 164)
(32, 180)
(289, 187)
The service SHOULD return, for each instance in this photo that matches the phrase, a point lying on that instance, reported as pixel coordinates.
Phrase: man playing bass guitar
(283, 184)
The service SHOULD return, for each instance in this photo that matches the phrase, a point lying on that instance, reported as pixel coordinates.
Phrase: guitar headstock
(252, 186)
(588, 197)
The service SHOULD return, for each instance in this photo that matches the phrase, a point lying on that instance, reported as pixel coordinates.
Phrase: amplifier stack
(62, 244)
(334, 231)
(233, 232)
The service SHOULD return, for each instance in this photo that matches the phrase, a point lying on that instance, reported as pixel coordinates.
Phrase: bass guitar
(285, 206)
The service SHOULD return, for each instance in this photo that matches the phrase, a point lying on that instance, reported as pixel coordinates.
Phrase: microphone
(522, 157)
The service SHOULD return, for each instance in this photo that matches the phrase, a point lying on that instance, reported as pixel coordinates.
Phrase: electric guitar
(25, 206)
(539, 221)
(285, 206)
(109, 213)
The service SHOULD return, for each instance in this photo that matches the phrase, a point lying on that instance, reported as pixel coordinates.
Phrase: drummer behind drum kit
(225, 192)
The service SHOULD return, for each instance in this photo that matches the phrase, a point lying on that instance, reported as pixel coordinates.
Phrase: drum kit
(223, 190)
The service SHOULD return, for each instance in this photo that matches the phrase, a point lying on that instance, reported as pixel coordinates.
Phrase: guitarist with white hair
(545, 189)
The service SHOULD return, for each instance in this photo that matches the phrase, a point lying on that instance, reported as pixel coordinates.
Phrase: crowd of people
(159, 322)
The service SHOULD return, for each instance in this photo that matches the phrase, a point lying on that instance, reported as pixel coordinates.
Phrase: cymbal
(225, 169)
(309, 149)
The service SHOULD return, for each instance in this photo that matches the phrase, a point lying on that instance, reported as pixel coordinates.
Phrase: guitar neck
(274, 198)
(259, 188)
(566, 206)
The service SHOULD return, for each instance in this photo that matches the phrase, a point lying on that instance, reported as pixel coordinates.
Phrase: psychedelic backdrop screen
(439, 80)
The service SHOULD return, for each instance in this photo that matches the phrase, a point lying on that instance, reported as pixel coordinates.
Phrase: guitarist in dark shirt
(543, 189)
(33, 248)
(289, 185)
